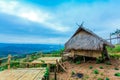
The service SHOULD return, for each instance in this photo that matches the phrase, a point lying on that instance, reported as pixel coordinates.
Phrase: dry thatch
(84, 39)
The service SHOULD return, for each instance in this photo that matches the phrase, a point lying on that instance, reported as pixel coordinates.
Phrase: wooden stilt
(9, 59)
(84, 58)
(55, 74)
(48, 66)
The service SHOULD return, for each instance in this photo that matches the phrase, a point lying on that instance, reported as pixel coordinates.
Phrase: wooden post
(48, 66)
(57, 65)
(9, 59)
(73, 55)
(55, 76)
(84, 58)
(110, 37)
(0, 62)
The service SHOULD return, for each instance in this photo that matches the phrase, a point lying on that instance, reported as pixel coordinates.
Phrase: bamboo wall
(95, 54)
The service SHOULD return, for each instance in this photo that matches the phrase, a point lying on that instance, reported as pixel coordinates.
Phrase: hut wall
(87, 53)
(84, 41)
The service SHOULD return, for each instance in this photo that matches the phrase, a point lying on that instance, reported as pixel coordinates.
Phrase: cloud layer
(41, 22)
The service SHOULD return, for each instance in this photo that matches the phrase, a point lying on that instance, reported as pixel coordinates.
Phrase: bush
(116, 68)
(117, 74)
(73, 72)
(99, 79)
(101, 67)
(115, 56)
(78, 62)
(107, 78)
(108, 63)
(90, 67)
(96, 71)
(99, 60)
(46, 75)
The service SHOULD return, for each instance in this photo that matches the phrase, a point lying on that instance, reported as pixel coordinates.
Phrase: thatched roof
(84, 39)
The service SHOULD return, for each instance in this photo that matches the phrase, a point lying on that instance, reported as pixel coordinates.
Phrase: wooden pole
(9, 59)
(48, 66)
(110, 37)
(84, 58)
(55, 74)
(57, 65)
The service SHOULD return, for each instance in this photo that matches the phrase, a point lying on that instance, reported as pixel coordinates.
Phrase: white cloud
(32, 13)
(100, 17)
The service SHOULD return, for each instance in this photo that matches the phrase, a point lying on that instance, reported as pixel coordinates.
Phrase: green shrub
(90, 67)
(96, 71)
(47, 72)
(73, 72)
(100, 79)
(101, 67)
(108, 63)
(107, 78)
(116, 68)
(117, 74)
(99, 60)
(78, 62)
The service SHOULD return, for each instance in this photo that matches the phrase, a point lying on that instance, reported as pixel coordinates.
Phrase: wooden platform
(23, 74)
(47, 60)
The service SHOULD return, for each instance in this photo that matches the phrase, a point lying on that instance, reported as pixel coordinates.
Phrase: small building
(86, 43)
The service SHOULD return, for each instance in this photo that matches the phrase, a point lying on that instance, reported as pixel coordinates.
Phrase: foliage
(42, 61)
(114, 50)
(96, 71)
(115, 56)
(101, 67)
(3, 67)
(78, 62)
(116, 68)
(47, 72)
(99, 79)
(73, 72)
(90, 67)
(99, 60)
(107, 78)
(117, 74)
(14, 64)
(108, 63)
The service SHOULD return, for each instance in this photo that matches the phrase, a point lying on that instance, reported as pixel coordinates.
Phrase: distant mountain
(19, 49)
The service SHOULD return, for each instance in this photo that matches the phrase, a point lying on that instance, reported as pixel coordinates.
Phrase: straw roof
(84, 39)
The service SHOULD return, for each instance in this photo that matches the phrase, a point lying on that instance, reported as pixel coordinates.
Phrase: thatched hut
(86, 43)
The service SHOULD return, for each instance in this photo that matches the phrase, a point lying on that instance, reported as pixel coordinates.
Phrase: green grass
(114, 50)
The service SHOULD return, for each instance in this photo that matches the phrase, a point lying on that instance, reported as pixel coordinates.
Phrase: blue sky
(54, 21)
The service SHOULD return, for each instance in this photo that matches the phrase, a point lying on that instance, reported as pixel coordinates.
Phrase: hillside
(20, 49)
(114, 50)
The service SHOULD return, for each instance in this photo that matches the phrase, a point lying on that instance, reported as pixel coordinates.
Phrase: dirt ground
(88, 74)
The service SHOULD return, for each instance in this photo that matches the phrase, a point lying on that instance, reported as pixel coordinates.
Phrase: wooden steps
(61, 65)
